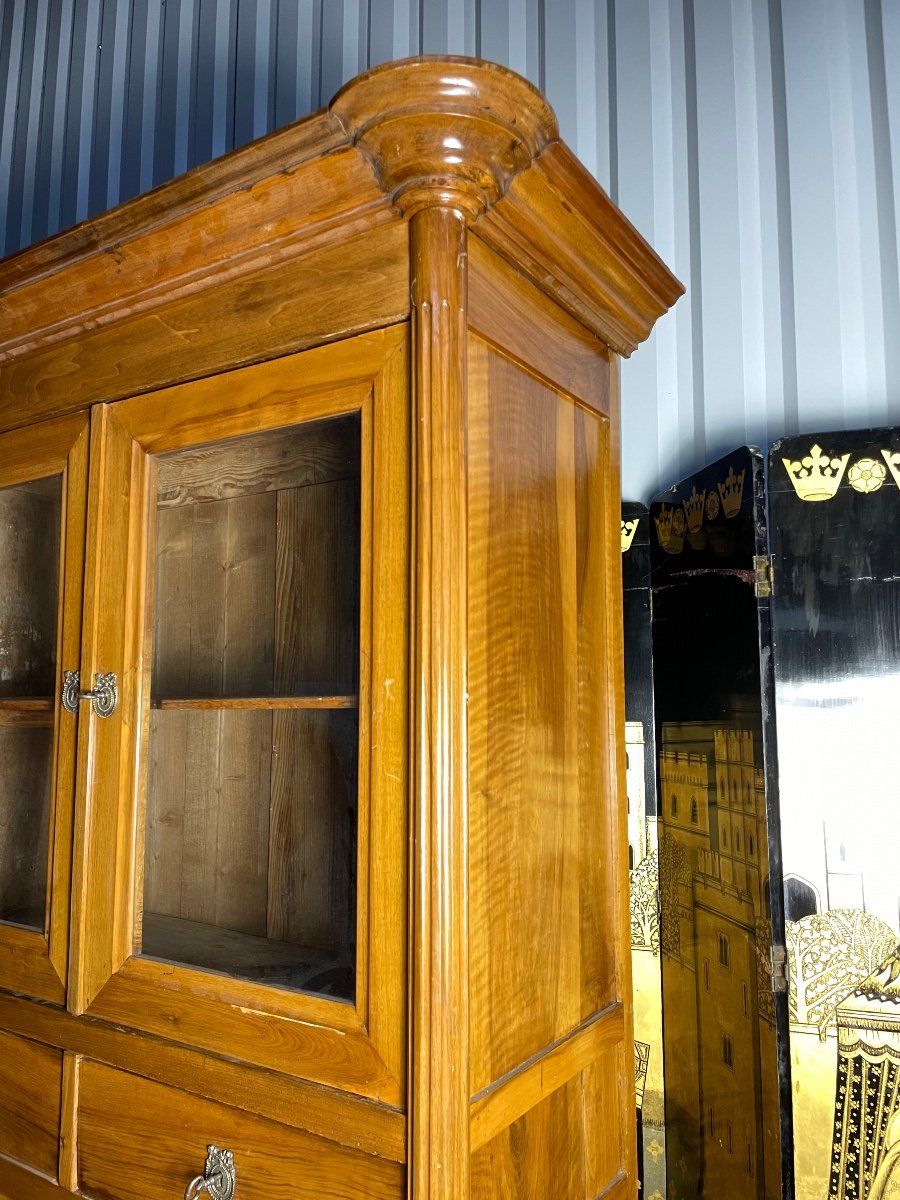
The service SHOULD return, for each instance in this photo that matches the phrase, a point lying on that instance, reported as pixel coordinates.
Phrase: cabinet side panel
(561, 1149)
(542, 921)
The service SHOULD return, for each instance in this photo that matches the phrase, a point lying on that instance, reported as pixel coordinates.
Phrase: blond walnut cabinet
(309, 500)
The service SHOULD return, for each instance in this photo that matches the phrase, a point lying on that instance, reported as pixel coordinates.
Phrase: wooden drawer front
(30, 1096)
(139, 1140)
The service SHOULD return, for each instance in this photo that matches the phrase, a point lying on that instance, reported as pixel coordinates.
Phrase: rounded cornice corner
(445, 131)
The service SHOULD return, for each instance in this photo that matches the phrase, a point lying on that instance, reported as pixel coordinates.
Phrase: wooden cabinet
(313, 846)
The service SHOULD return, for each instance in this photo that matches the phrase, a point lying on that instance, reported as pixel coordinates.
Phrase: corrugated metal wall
(755, 143)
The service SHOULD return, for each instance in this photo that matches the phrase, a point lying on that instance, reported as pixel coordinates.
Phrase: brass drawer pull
(218, 1178)
(104, 695)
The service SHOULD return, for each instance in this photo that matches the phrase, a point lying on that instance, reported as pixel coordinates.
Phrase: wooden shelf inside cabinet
(28, 713)
(247, 956)
(238, 703)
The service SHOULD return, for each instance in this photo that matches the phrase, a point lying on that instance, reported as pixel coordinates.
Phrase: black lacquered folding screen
(725, 1085)
(834, 503)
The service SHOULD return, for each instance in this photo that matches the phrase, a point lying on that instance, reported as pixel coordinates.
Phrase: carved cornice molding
(471, 135)
(445, 131)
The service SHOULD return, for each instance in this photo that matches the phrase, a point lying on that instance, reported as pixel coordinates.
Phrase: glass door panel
(250, 844)
(30, 516)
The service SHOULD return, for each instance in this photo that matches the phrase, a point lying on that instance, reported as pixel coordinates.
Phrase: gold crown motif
(817, 476)
(664, 526)
(693, 509)
(629, 529)
(732, 492)
(892, 458)
(670, 529)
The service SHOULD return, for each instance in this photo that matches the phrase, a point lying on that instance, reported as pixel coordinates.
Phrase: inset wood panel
(567, 1148)
(131, 1129)
(30, 1101)
(542, 921)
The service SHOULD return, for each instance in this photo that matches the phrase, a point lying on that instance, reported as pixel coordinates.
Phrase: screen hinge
(763, 576)
(780, 976)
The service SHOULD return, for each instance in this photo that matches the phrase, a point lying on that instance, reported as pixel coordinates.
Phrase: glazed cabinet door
(241, 883)
(42, 502)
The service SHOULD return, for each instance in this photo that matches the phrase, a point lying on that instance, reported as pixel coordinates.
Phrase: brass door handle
(104, 695)
(218, 1178)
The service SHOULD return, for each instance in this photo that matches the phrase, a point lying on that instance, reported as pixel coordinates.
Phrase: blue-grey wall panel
(755, 143)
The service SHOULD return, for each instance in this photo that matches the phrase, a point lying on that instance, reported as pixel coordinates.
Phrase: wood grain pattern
(515, 316)
(18, 1183)
(485, 631)
(312, 852)
(317, 588)
(104, 862)
(566, 235)
(30, 1096)
(384, 744)
(440, 984)
(359, 1048)
(302, 1035)
(215, 598)
(321, 383)
(35, 713)
(206, 856)
(118, 1113)
(509, 1098)
(332, 292)
(269, 703)
(45, 466)
(326, 1112)
(251, 820)
(536, 737)
(561, 1149)
(133, 261)
(316, 452)
(68, 1122)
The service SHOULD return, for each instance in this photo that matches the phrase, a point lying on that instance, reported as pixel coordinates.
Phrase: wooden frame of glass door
(359, 1047)
(34, 961)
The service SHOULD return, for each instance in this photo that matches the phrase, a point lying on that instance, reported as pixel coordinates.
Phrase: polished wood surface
(339, 1045)
(338, 1116)
(440, 1014)
(550, 1005)
(536, 737)
(332, 291)
(399, 136)
(425, 258)
(132, 1130)
(33, 961)
(30, 1083)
